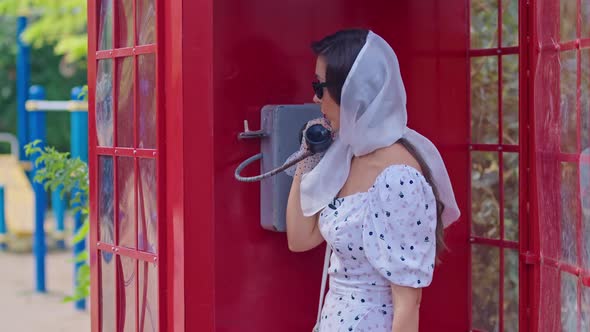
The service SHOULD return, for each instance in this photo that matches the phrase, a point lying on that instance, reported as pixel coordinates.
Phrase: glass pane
(585, 199)
(125, 102)
(105, 25)
(585, 98)
(104, 102)
(124, 23)
(108, 303)
(148, 206)
(568, 85)
(105, 199)
(146, 22)
(126, 191)
(147, 100)
(485, 200)
(129, 288)
(569, 302)
(567, 17)
(511, 196)
(510, 99)
(569, 207)
(509, 23)
(484, 24)
(484, 100)
(510, 290)
(585, 12)
(485, 287)
(148, 297)
(585, 308)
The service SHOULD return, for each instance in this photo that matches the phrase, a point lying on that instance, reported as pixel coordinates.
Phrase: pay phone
(280, 136)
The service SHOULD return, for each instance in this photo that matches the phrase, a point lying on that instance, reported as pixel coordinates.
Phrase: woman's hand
(303, 232)
(310, 162)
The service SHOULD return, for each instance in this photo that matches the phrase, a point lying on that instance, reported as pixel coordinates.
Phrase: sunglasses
(318, 88)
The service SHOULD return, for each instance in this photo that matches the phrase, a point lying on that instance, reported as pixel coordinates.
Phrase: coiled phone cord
(269, 173)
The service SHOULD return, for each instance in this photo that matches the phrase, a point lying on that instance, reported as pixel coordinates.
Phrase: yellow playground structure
(19, 197)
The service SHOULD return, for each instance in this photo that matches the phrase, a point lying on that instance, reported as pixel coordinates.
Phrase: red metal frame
(500, 148)
(195, 170)
(540, 258)
(115, 152)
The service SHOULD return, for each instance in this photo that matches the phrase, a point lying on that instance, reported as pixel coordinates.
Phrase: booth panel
(262, 56)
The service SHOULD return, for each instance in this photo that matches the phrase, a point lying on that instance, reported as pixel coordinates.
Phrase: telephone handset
(318, 138)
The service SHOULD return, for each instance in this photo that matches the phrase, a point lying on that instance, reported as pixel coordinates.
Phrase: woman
(380, 196)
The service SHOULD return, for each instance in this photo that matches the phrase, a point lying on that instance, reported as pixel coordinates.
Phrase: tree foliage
(58, 170)
(61, 24)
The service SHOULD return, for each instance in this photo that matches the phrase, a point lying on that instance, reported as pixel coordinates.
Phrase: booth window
(495, 165)
(126, 113)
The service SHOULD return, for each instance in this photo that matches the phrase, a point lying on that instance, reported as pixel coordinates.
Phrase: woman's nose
(316, 99)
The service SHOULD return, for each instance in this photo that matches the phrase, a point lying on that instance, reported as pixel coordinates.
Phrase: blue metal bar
(59, 208)
(38, 131)
(3, 245)
(23, 68)
(79, 149)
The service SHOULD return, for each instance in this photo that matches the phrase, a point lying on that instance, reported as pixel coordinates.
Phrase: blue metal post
(38, 131)
(3, 245)
(59, 208)
(23, 68)
(79, 149)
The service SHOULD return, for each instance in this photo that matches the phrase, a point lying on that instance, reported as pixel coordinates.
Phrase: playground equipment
(16, 195)
(37, 108)
(19, 194)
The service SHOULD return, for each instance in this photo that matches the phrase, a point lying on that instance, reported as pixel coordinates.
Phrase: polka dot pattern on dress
(382, 236)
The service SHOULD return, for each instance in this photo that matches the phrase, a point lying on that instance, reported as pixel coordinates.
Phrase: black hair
(440, 207)
(339, 50)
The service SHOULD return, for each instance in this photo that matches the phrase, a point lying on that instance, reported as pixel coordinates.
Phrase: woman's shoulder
(397, 154)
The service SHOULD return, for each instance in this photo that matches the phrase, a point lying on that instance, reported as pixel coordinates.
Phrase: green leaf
(82, 232)
(81, 257)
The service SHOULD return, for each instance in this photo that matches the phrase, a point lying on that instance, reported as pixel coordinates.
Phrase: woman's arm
(302, 232)
(406, 308)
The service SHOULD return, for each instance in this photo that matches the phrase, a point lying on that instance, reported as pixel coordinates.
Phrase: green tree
(61, 24)
(58, 58)
(58, 169)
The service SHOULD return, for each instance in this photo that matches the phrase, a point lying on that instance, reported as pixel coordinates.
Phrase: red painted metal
(494, 51)
(218, 270)
(95, 246)
(93, 9)
(127, 152)
(127, 252)
(126, 51)
(263, 53)
(524, 171)
(494, 242)
(522, 150)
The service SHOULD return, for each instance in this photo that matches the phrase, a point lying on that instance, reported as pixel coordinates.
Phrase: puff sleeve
(399, 232)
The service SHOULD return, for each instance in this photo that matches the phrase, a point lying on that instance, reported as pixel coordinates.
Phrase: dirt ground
(24, 310)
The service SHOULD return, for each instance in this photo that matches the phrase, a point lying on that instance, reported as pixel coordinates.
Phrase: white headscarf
(372, 116)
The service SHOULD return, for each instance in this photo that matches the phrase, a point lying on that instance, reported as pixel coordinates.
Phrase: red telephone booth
(501, 87)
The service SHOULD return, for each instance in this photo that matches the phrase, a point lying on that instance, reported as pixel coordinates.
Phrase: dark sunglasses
(318, 88)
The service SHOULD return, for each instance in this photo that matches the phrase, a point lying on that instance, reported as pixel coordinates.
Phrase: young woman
(380, 196)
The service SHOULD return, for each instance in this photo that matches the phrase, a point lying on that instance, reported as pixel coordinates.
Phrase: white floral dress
(380, 237)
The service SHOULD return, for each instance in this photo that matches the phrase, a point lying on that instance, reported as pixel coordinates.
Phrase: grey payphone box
(281, 128)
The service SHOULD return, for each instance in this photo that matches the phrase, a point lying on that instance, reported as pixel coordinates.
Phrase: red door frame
(548, 256)
(115, 152)
(525, 158)
(176, 158)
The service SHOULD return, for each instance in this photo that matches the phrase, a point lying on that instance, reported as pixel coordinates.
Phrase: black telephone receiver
(318, 138)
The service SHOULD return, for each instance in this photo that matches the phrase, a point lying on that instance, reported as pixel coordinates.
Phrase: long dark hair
(340, 50)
